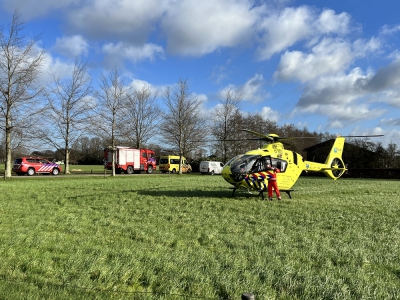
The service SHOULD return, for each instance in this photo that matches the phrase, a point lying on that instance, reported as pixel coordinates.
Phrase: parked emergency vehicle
(129, 160)
(170, 164)
(35, 165)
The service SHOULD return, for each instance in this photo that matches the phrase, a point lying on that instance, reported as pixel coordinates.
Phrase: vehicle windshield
(243, 164)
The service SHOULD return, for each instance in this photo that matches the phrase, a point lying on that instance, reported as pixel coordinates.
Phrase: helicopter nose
(237, 177)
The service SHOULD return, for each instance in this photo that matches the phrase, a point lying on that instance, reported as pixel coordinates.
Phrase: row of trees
(69, 115)
(61, 112)
(359, 153)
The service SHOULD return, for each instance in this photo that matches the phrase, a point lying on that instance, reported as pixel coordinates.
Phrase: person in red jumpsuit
(271, 174)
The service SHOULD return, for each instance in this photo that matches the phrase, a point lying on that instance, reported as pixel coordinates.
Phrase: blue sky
(330, 66)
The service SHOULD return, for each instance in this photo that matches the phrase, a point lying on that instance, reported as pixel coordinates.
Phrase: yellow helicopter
(249, 170)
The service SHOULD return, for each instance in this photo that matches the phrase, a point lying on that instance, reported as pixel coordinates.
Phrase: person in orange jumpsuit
(271, 174)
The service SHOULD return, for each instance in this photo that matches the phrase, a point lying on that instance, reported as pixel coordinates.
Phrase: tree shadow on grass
(199, 194)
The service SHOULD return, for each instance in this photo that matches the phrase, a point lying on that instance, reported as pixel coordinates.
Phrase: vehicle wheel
(129, 170)
(212, 172)
(149, 169)
(31, 171)
(173, 171)
(55, 171)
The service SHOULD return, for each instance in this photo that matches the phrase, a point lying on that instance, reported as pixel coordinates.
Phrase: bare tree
(223, 114)
(20, 65)
(112, 101)
(70, 104)
(182, 120)
(392, 155)
(142, 116)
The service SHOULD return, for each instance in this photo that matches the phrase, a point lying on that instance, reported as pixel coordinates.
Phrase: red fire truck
(130, 160)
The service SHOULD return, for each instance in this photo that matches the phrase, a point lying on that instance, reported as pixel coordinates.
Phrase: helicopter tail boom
(334, 159)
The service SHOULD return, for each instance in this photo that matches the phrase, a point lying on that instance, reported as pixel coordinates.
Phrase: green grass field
(164, 236)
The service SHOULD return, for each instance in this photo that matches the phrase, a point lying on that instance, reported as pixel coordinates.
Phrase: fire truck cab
(129, 160)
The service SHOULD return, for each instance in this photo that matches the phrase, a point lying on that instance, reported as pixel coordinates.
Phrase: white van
(211, 167)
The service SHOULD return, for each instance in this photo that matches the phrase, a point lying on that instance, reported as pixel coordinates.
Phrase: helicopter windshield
(243, 164)
(229, 162)
(255, 163)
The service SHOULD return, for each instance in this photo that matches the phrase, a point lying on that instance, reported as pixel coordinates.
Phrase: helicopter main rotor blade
(263, 137)
(361, 136)
(227, 140)
(270, 138)
(276, 138)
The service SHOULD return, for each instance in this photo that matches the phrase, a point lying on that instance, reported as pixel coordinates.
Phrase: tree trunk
(8, 165)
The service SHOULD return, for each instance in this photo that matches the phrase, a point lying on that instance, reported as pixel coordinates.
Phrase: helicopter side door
(264, 163)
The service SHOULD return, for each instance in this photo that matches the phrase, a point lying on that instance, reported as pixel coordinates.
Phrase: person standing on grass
(272, 184)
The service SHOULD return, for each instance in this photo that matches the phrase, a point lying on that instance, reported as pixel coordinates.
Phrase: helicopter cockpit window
(261, 164)
(243, 164)
(280, 164)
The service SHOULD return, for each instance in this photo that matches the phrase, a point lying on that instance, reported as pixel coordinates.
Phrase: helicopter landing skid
(261, 192)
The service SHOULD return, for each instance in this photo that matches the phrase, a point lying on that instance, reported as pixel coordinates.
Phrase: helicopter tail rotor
(337, 168)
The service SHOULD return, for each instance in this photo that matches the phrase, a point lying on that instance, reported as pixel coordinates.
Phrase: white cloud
(348, 98)
(329, 56)
(72, 46)
(329, 22)
(267, 113)
(122, 51)
(219, 73)
(30, 9)
(386, 77)
(116, 20)
(54, 67)
(341, 115)
(334, 90)
(283, 29)
(197, 27)
(388, 30)
(390, 122)
(390, 96)
(335, 124)
(252, 90)
(382, 86)
(138, 85)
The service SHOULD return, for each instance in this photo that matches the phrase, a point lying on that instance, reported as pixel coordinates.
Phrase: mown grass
(184, 237)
